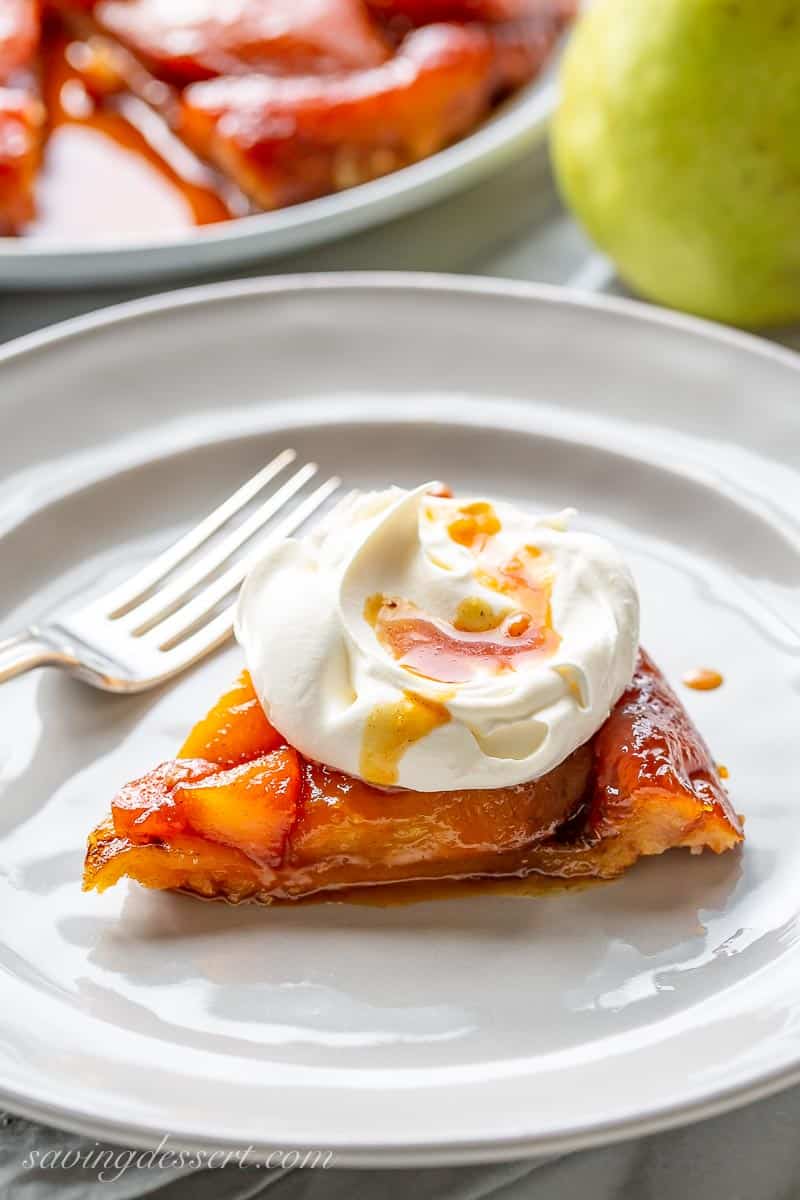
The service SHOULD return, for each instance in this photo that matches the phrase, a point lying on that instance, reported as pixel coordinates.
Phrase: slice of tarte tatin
(240, 815)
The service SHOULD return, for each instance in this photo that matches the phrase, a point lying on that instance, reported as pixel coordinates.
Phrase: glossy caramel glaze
(390, 730)
(396, 895)
(450, 653)
(474, 524)
(484, 637)
(236, 729)
(282, 100)
(289, 140)
(377, 836)
(649, 746)
(644, 784)
(200, 39)
(142, 177)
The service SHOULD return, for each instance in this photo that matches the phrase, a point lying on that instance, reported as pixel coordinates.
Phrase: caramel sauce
(393, 895)
(389, 731)
(372, 608)
(474, 525)
(457, 652)
(474, 615)
(703, 679)
(143, 179)
(480, 639)
(445, 653)
(570, 677)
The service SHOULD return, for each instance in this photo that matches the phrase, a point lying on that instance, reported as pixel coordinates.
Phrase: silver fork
(158, 623)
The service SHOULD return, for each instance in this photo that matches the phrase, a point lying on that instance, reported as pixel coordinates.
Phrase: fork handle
(23, 653)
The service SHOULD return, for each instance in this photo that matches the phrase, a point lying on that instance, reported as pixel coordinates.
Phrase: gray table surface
(511, 226)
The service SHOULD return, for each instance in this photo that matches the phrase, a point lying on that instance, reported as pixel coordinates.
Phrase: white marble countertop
(511, 226)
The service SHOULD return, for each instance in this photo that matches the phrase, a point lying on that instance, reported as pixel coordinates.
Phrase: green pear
(677, 145)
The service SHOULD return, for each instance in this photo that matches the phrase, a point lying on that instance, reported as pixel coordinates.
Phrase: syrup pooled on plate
(703, 679)
(422, 891)
(142, 178)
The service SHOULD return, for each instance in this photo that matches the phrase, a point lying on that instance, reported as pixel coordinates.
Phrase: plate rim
(398, 1154)
(719, 1098)
(197, 295)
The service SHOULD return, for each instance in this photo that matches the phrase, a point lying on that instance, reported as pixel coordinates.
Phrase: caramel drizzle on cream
(474, 525)
(481, 637)
(390, 729)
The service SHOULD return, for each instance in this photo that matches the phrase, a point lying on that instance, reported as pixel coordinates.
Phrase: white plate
(453, 1030)
(516, 128)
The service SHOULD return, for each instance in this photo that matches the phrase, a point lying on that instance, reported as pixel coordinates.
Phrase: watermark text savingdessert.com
(111, 1163)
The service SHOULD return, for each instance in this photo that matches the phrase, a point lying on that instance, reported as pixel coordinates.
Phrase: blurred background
(670, 171)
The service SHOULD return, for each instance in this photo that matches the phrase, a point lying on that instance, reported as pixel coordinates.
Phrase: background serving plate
(472, 1028)
(515, 128)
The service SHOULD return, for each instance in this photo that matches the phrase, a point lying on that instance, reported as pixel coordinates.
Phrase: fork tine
(190, 613)
(143, 616)
(120, 598)
(217, 631)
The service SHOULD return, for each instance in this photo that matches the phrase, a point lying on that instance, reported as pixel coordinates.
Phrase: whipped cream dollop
(423, 641)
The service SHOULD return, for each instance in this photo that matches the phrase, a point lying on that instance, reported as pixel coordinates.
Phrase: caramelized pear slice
(235, 730)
